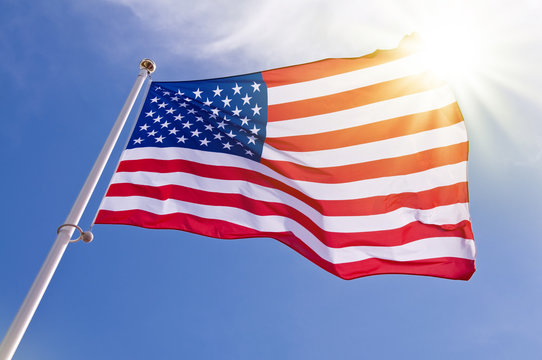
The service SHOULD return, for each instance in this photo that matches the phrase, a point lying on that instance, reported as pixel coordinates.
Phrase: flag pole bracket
(86, 236)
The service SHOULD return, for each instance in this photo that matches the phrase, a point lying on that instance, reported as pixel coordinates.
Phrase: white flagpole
(33, 297)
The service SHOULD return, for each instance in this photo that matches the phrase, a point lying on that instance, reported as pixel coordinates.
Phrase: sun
(452, 52)
(452, 42)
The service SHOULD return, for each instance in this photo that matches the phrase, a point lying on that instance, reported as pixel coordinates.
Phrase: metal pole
(33, 297)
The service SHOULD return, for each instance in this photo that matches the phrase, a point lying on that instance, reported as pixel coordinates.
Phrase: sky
(67, 67)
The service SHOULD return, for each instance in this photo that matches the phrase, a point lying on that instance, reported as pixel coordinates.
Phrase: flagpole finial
(148, 65)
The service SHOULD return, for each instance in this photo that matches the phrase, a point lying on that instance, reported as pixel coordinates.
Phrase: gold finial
(148, 65)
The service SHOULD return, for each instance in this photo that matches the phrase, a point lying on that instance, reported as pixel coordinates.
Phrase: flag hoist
(66, 230)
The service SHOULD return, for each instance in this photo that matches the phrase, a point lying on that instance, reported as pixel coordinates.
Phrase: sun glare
(451, 50)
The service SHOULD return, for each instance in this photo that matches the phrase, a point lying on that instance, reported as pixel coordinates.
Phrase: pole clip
(86, 236)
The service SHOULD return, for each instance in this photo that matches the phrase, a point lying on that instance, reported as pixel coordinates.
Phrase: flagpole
(33, 297)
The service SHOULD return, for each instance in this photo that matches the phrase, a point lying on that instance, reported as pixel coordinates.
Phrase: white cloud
(310, 27)
(272, 33)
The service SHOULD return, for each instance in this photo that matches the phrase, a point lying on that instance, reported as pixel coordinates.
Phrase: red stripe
(328, 67)
(428, 199)
(410, 232)
(402, 165)
(381, 130)
(353, 98)
(446, 267)
(451, 268)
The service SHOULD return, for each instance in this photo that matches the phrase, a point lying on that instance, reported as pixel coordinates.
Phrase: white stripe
(417, 250)
(383, 110)
(384, 149)
(415, 182)
(449, 214)
(392, 70)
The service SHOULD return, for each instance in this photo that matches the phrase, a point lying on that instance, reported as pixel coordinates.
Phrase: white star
(207, 102)
(215, 111)
(173, 131)
(248, 152)
(162, 105)
(144, 127)
(218, 136)
(174, 98)
(178, 117)
(166, 93)
(226, 101)
(227, 146)
(155, 99)
(179, 92)
(254, 130)
(225, 118)
(255, 86)
(157, 119)
(231, 134)
(183, 105)
(217, 91)
(138, 141)
(191, 111)
(195, 132)
(170, 111)
(244, 121)
(204, 142)
(237, 89)
(236, 111)
(222, 125)
(197, 93)
(251, 140)
(199, 119)
(158, 88)
(256, 109)
(159, 139)
(246, 99)
(165, 124)
(187, 124)
(209, 127)
(187, 99)
(151, 133)
(150, 113)
(212, 116)
(181, 139)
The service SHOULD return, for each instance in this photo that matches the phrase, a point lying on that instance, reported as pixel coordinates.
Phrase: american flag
(358, 164)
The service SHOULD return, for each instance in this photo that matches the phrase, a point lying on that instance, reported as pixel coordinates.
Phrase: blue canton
(227, 115)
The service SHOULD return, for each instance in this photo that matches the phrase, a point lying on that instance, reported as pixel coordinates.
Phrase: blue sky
(155, 294)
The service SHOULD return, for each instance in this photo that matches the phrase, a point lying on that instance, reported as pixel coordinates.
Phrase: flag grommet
(86, 236)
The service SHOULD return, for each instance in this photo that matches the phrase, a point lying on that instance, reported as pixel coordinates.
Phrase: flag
(358, 164)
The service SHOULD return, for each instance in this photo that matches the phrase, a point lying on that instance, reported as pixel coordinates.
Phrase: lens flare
(452, 52)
